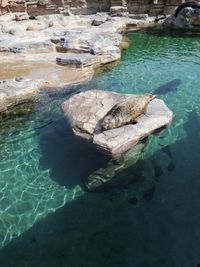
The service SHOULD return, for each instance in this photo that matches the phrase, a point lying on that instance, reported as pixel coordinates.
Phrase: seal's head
(109, 122)
(150, 96)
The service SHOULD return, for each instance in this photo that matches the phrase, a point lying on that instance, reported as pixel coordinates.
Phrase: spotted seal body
(126, 112)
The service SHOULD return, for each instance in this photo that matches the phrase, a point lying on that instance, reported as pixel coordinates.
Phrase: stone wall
(40, 7)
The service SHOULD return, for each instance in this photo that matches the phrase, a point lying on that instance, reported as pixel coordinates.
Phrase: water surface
(154, 221)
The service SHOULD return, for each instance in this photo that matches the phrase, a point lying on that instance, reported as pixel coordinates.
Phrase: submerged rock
(115, 172)
(86, 111)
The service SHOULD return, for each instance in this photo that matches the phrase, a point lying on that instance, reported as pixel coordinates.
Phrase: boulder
(101, 42)
(100, 19)
(76, 60)
(186, 16)
(86, 110)
(21, 16)
(17, 91)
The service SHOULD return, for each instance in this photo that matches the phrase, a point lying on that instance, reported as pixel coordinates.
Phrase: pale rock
(36, 45)
(100, 19)
(76, 60)
(14, 92)
(86, 110)
(21, 16)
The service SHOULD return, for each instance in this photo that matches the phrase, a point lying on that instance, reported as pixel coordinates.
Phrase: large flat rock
(86, 110)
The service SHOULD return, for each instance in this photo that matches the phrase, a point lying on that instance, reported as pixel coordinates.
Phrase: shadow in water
(151, 229)
(172, 32)
(69, 158)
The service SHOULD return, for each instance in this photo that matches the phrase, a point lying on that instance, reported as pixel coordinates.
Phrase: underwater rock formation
(114, 173)
(186, 16)
(87, 109)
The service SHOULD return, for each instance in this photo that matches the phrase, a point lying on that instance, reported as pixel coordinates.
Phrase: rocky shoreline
(74, 46)
(39, 52)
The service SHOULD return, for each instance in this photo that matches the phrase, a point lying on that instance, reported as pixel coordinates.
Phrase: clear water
(154, 221)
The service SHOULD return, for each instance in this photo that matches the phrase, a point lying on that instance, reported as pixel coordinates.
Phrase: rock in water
(126, 112)
(86, 111)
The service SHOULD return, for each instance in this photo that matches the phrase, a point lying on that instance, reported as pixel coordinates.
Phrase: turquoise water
(154, 59)
(27, 191)
(152, 222)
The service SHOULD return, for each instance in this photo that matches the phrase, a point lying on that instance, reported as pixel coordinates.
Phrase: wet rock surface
(87, 109)
(115, 172)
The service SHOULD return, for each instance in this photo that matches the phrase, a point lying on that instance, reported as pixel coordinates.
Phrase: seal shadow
(168, 87)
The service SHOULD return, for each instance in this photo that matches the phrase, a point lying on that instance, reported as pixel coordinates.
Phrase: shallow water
(152, 222)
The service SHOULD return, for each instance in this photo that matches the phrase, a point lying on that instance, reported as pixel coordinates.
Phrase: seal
(126, 112)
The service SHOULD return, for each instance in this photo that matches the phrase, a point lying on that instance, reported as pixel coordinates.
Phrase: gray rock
(18, 79)
(139, 16)
(87, 109)
(21, 16)
(39, 45)
(118, 9)
(14, 92)
(76, 60)
(100, 19)
(187, 18)
(6, 42)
